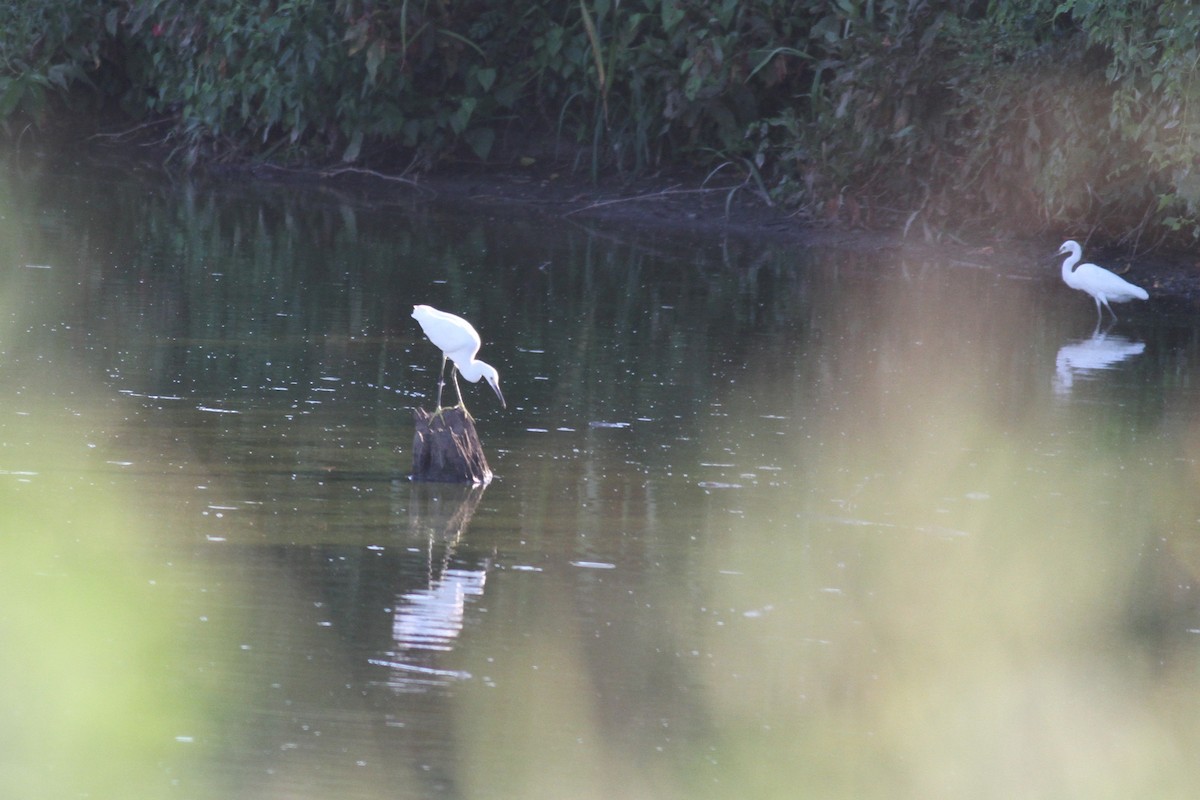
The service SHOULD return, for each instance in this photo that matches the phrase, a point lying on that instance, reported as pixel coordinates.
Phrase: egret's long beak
(496, 388)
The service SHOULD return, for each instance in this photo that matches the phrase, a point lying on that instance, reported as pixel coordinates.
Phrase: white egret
(1105, 287)
(459, 343)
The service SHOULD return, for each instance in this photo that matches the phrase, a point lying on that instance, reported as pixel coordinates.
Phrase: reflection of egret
(432, 618)
(1086, 356)
(459, 342)
(1105, 287)
(428, 620)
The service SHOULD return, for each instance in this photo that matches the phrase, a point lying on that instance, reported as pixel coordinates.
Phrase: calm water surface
(767, 521)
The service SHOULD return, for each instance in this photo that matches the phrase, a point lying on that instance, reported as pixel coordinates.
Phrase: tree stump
(447, 449)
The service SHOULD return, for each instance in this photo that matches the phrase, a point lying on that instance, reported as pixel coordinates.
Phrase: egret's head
(493, 378)
(475, 370)
(1069, 246)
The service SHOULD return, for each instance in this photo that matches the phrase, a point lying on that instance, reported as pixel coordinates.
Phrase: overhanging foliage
(937, 116)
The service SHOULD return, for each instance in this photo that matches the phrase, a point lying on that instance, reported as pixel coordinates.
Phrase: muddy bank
(683, 203)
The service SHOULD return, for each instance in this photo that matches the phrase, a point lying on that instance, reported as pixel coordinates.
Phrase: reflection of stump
(439, 514)
(446, 448)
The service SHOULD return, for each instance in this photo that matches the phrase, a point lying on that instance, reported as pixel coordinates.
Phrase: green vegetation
(938, 116)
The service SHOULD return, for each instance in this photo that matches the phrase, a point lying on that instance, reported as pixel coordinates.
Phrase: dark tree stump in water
(447, 449)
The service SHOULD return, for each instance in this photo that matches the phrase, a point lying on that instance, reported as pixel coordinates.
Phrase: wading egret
(1105, 287)
(458, 342)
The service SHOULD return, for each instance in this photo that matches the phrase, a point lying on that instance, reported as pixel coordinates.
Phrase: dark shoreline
(689, 202)
(682, 205)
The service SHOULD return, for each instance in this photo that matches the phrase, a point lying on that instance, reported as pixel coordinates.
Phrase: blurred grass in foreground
(92, 679)
(968, 618)
(966, 591)
(92, 635)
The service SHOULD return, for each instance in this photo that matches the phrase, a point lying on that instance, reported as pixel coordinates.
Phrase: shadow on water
(862, 524)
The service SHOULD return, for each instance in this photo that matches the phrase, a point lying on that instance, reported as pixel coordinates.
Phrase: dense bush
(45, 45)
(931, 113)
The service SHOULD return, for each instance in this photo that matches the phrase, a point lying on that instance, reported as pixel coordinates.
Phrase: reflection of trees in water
(234, 287)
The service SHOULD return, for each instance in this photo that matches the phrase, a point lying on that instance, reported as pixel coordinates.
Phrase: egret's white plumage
(459, 342)
(1105, 287)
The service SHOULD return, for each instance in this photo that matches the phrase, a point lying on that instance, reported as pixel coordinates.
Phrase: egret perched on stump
(459, 343)
(1105, 287)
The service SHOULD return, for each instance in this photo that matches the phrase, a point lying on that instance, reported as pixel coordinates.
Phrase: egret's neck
(1069, 263)
(472, 371)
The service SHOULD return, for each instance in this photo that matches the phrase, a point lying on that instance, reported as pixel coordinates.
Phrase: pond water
(767, 521)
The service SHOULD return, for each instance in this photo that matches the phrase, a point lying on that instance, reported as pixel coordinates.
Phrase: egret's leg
(437, 412)
(454, 376)
(441, 381)
(457, 391)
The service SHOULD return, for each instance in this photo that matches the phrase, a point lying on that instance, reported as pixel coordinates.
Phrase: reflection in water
(1085, 357)
(430, 618)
